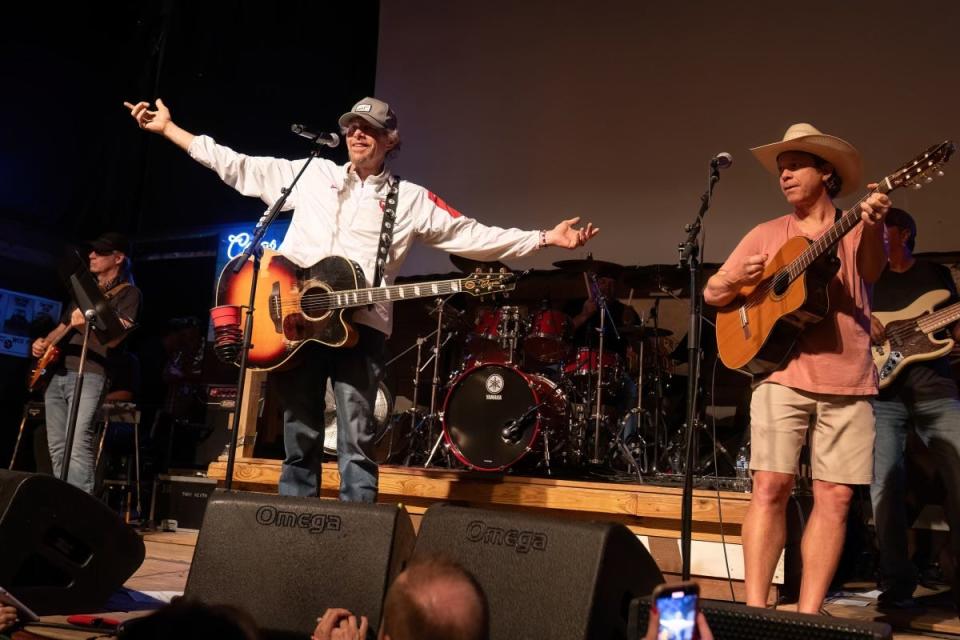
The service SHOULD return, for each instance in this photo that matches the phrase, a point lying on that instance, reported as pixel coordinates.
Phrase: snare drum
(588, 362)
(547, 338)
(482, 401)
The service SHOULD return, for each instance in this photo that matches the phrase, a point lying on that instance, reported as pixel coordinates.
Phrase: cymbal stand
(435, 383)
(601, 302)
(657, 381)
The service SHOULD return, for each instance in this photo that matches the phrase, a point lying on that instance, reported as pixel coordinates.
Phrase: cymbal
(588, 265)
(638, 332)
(654, 277)
(469, 265)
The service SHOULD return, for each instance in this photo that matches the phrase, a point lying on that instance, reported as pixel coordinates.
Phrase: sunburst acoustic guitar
(297, 305)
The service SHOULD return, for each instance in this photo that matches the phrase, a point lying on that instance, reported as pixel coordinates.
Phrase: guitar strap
(386, 230)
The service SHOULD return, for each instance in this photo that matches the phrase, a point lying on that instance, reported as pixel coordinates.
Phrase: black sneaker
(896, 598)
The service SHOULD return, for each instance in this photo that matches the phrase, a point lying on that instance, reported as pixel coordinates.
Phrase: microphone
(328, 139)
(513, 429)
(722, 160)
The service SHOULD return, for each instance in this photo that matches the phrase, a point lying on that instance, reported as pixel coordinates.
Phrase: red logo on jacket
(440, 202)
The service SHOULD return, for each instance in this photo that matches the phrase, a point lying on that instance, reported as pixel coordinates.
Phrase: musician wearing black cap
(110, 265)
(346, 210)
(922, 397)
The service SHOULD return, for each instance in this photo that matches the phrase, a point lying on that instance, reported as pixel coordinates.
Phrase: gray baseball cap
(376, 112)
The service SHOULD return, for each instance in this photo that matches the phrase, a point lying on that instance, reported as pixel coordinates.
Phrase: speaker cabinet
(287, 559)
(729, 621)
(61, 549)
(544, 577)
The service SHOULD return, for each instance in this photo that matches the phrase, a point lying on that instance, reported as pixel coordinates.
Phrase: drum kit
(522, 396)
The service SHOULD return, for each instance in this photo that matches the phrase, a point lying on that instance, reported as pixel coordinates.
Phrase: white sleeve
(256, 176)
(440, 225)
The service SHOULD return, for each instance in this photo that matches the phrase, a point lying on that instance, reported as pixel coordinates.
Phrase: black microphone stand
(255, 251)
(690, 256)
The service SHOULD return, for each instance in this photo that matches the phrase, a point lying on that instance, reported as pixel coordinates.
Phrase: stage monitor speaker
(61, 549)
(729, 621)
(286, 560)
(544, 577)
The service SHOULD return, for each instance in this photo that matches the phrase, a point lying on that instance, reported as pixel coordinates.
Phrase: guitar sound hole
(780, 283)
(314, 302)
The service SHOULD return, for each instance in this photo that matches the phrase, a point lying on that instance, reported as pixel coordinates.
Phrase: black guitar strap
(386, 230)
(832, 252)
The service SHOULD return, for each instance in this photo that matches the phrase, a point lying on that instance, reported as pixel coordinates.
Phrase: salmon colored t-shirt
(832, 356)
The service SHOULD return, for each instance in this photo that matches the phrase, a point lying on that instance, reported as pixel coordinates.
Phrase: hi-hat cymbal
(588, 265)
(469, 265)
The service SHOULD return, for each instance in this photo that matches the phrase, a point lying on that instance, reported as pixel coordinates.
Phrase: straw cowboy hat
(805, 137)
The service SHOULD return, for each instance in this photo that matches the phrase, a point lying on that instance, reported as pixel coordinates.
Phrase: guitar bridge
(744, 321)
(276, 310)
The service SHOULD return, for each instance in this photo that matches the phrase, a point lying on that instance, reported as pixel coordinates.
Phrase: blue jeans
(356, 373)
(57, 401)
(937, 423)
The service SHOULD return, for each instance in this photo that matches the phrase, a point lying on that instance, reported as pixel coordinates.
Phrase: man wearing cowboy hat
(827, 381)
(110, 264)
(339, 210)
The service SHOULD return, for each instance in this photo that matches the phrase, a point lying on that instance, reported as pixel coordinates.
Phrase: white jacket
(337, 214)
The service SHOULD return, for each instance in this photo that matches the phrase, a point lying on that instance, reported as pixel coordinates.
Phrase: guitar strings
(757, 295)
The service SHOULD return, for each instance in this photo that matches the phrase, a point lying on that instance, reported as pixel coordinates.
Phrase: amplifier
(181, 499)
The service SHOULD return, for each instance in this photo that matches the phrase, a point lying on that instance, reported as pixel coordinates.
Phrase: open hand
(8, 617)
(569, 237)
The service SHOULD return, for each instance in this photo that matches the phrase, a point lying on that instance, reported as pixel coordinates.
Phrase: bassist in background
(829, 377)
(339, 211)
(110, 264)
(923, 395)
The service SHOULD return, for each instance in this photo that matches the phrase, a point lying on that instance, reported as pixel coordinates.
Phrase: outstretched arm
(159, 121)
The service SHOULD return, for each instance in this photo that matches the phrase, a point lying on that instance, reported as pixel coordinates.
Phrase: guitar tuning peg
(940, 173)
(917, 186)
(927, 179)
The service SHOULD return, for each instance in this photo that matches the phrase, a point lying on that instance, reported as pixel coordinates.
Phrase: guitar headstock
(481, 284)
(923, 169)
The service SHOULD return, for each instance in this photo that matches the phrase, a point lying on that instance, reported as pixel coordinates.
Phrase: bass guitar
(295, 305)
(757, 331)
(910, 334)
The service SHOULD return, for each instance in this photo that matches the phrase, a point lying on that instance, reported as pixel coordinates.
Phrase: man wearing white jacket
(339, 210)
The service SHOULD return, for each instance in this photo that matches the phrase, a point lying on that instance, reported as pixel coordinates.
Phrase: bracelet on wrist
(543, 239)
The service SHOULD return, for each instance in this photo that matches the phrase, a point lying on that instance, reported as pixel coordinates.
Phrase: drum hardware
(441, 304)
(601, 302)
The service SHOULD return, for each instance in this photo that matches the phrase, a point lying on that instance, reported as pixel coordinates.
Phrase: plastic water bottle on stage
(743, 470)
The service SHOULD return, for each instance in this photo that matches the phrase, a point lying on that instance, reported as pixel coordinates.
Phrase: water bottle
(743, 469)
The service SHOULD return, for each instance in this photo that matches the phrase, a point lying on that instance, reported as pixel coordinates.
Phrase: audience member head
(435, 599)
(188, 619)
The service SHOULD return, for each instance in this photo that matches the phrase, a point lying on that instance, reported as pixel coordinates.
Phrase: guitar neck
(348, 298)
(58, 333)
(939, 319)
(843, 226)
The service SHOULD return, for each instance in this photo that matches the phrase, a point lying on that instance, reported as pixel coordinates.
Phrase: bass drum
(381, 416)
(485, 399)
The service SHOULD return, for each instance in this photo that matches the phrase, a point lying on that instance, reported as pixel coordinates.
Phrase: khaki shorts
(841, 441)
